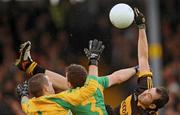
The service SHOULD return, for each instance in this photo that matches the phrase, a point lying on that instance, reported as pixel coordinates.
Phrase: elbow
(120, 81)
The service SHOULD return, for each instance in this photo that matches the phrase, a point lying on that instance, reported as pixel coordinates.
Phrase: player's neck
(141, 105)
(46, 93)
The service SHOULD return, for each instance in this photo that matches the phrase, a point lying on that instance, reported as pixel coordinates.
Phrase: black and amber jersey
(130, 105)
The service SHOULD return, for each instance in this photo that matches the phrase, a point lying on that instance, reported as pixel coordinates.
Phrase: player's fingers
(19, 87)
(95, 43)
(102, 48)
(135, 11)
(26, 45)
(90, 44)
(86, 50)
(138, 12)
(25, 84)
(99, 45)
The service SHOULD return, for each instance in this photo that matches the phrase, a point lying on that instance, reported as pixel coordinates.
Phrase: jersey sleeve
(104, 81)
(144, 82)
(24, 103)
(78, 95)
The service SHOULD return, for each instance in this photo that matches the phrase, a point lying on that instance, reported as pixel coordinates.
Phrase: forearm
(143, 51)
(59, 82)
(121, 76)
(93, 70)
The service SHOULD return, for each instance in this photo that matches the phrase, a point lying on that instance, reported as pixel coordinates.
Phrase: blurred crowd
(60, 32)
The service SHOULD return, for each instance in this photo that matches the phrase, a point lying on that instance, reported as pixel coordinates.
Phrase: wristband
(93, 62)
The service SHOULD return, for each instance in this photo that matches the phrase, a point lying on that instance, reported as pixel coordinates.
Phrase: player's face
(68, 83)
(148, 96)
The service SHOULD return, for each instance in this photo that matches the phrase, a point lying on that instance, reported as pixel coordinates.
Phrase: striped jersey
(56, 104)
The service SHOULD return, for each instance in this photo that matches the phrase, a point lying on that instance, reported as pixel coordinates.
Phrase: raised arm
(145, 75)
(142, 42)
(93, 54)
(26, 64)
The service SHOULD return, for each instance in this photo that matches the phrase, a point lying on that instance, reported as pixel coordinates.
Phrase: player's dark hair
(76, 75)
(164, 97)
(36, 84)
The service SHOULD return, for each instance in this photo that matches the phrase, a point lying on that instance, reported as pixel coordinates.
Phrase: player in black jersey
(146, 100)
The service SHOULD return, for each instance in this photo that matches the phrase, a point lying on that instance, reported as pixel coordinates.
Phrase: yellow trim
(101, 88)
(31, 68)
(147, 73)
(94, 108)
(149, 82)
(92, 100)
(126, 106)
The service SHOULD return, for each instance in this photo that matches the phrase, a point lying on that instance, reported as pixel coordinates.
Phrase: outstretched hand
(93, 53)
(139, 18)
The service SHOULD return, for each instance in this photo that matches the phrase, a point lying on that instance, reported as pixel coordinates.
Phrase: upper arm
(143, 51)
(59, 82)
(112, 80)
(104, 81)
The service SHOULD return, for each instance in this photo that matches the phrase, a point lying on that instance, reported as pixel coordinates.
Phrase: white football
(121, 15)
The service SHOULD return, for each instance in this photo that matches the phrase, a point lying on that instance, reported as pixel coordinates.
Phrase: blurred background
(60, 29)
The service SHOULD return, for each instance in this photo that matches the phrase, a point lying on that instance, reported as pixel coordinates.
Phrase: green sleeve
(104, 81)
(91, 77)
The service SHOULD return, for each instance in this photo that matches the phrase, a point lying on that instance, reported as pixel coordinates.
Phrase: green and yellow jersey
(130, 105)
(57, 104)
(95, 104)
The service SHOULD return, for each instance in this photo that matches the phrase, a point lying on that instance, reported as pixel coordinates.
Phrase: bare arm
(121, 75)
(142, 42)
(93, 70)
(59, 82)
(143, 52)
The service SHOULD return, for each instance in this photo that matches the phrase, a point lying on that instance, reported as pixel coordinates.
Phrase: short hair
(36, 84)
(76, 75)
(164, 97)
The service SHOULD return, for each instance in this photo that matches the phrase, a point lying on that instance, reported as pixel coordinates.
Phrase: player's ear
(69, 84)
(152, 106)
(45, 88)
